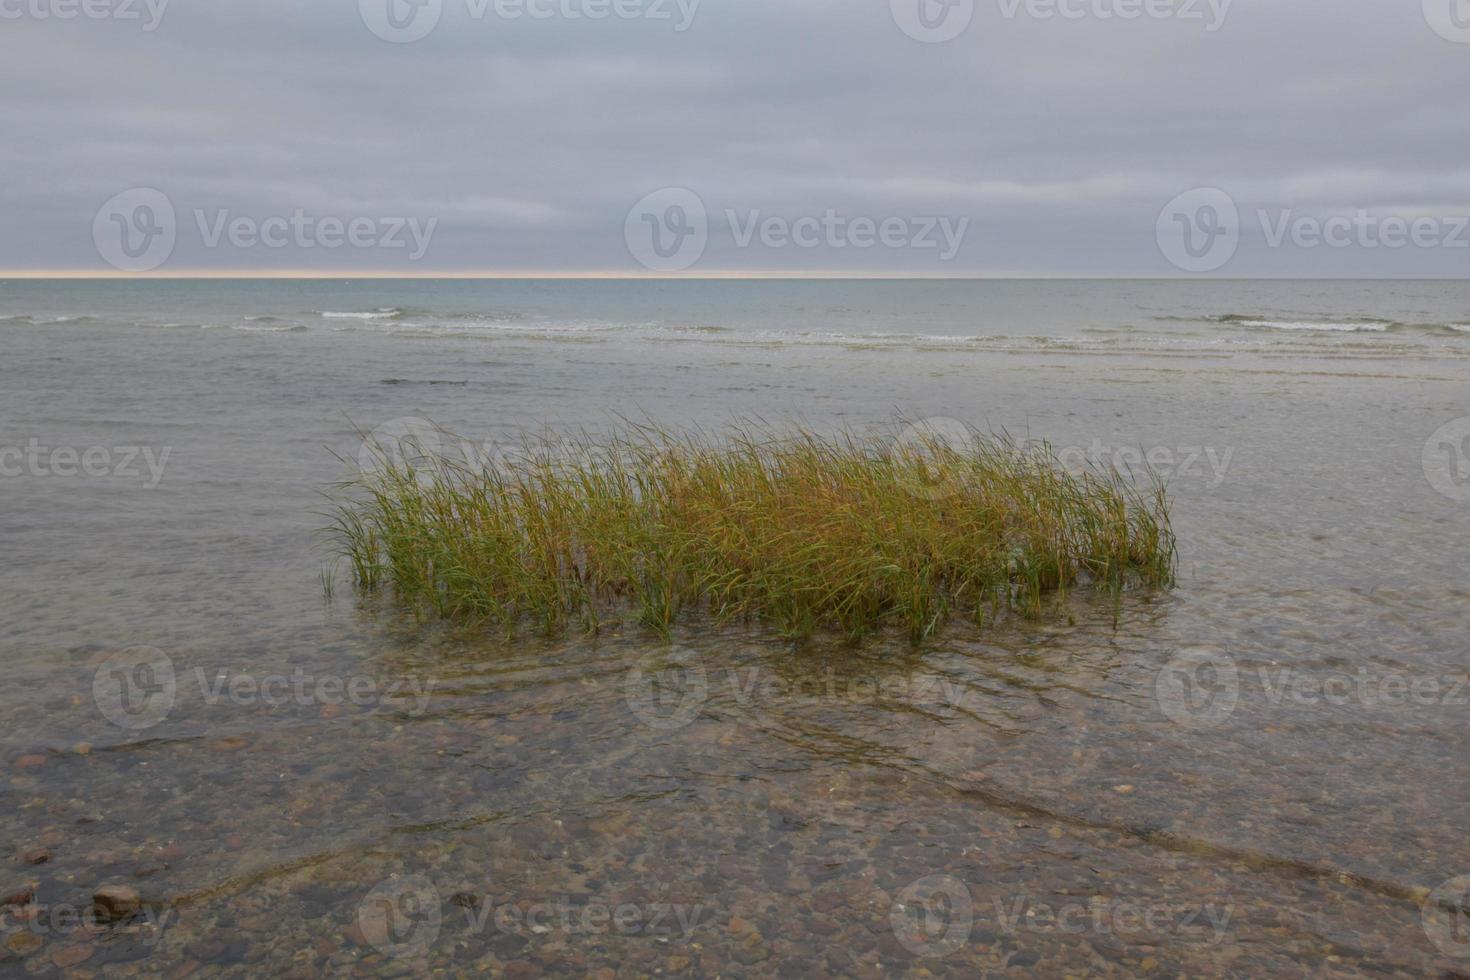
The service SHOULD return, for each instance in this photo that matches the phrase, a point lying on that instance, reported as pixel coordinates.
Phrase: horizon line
(523, 274)
(41, 275)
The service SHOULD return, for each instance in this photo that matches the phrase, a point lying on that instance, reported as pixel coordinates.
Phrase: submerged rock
(17, 896)
(24, 943)
(70, 956)
(114, 902)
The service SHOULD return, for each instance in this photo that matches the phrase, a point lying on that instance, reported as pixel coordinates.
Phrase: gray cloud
(529, 140)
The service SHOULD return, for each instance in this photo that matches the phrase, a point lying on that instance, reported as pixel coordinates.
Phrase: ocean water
(1261, 772)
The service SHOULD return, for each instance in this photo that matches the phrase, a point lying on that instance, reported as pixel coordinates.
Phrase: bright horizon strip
(713, 274)
(509, 274)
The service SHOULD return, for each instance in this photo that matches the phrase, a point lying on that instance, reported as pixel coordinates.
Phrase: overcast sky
(1026, 144)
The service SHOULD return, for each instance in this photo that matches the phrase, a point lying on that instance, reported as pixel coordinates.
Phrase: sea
(1264, 771)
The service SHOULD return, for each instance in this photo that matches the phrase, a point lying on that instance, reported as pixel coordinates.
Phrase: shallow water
(1046, 796)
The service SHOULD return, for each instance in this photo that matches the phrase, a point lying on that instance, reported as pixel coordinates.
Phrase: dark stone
(18, 896)
(113, 903)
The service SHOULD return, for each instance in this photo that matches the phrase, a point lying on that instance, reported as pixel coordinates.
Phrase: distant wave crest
(383, 313)
(43, 321)
(1354, 326)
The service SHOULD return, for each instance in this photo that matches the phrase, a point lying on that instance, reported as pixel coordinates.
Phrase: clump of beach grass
(799, 531)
